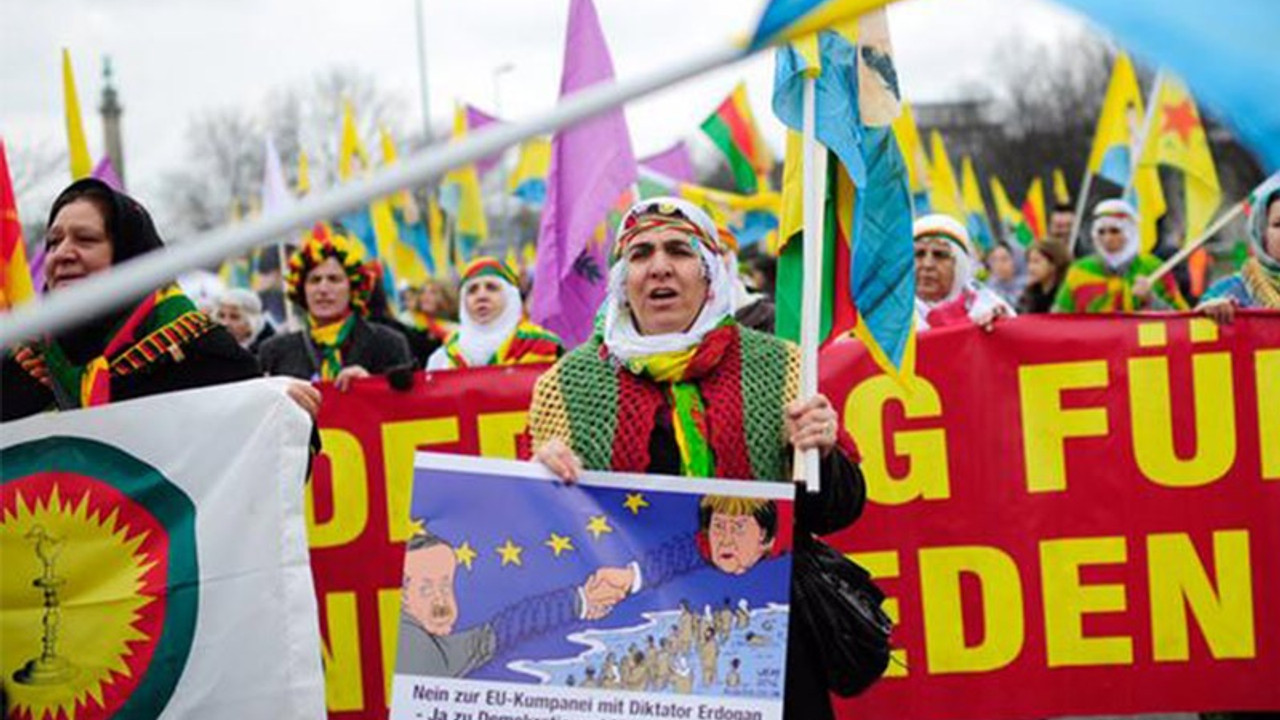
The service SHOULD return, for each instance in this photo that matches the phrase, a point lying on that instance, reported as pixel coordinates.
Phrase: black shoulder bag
(839, 606)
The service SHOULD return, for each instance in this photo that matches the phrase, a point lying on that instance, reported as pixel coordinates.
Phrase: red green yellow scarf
(528, 344)
(158, 328)
(677, 373)
(433, 326)
(329, 340)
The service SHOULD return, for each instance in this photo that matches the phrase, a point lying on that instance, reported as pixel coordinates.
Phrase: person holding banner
(1114, 278)
(328, 279)
(947, 292)
(1257, 285)
(494, 330)
(696, 394)
(161, 344)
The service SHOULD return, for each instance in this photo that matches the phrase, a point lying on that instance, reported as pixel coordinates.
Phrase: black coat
(211, 359)
(266, 333)
(372, 347)
(835, 507)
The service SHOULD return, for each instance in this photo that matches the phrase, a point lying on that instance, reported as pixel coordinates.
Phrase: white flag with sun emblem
(155, 560)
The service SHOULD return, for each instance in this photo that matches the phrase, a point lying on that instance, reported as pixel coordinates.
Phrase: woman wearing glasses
(946, 291)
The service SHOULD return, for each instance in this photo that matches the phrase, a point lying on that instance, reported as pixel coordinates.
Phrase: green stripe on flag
(790, 284)
(744, 175)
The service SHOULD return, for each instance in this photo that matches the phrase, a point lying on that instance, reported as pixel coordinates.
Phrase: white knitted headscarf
(621, 336)
(948, 228)
(479, 341)
(1116, 214)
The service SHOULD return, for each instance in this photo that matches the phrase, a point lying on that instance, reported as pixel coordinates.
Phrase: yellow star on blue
(634, 502)
(598, 525)
(510, 553)
(465, 554)
(559, 544)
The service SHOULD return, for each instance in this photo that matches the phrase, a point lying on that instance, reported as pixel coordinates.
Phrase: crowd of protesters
(683, 331)
(345, 328)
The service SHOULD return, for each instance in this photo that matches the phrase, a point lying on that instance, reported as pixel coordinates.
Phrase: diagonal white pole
(130, 281)
(1081, 207)
(1236, 211)
(806, 465)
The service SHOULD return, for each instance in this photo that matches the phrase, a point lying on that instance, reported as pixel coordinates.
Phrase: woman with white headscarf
(1114, 279)
(671, 384)
(240, 312)
(1257, 285)
(493, 329)
(947, 292)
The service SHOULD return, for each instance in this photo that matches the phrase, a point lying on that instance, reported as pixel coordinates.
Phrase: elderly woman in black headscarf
(159, 344)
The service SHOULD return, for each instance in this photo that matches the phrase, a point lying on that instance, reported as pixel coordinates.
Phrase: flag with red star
(1176, 138)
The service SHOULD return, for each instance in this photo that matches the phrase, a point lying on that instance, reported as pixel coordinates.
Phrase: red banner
(1070, 515)
(1074, 516)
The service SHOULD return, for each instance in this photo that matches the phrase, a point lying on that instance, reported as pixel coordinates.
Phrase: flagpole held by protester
(806, 465)
(1223, 220)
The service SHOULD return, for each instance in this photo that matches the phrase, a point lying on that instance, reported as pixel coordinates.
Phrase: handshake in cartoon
(605, 588)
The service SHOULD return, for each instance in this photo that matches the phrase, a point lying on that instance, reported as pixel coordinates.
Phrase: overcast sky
(174, 59)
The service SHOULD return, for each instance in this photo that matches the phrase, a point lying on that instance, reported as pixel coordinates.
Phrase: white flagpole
(1141, 141)
(806, 464)
(107, 291)
(1236, 211)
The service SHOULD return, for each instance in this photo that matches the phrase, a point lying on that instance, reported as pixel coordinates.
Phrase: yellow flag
(970, 190)
(1118, 122)
(304, 174)
(1060, 194)
(435, 231)
(529, 255)
(944, 196)
(402, 261)
(401, 199)
(1005, 209)
(1151, 205)
(791, 219)
(81, 164)
(1176, 138)
(351, 147)
(1113, 154)
(460, 194)
(908, 136)
(533, 164)
(784, 20)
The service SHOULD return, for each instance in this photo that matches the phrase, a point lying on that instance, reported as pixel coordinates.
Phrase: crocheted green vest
(756, 378)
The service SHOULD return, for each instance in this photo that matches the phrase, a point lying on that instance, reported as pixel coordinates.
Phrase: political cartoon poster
(618, 596)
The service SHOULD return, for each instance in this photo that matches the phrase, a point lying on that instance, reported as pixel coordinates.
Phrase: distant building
(111, 111)
(967, 126)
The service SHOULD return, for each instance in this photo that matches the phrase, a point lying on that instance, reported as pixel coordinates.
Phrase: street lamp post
(505, 208)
